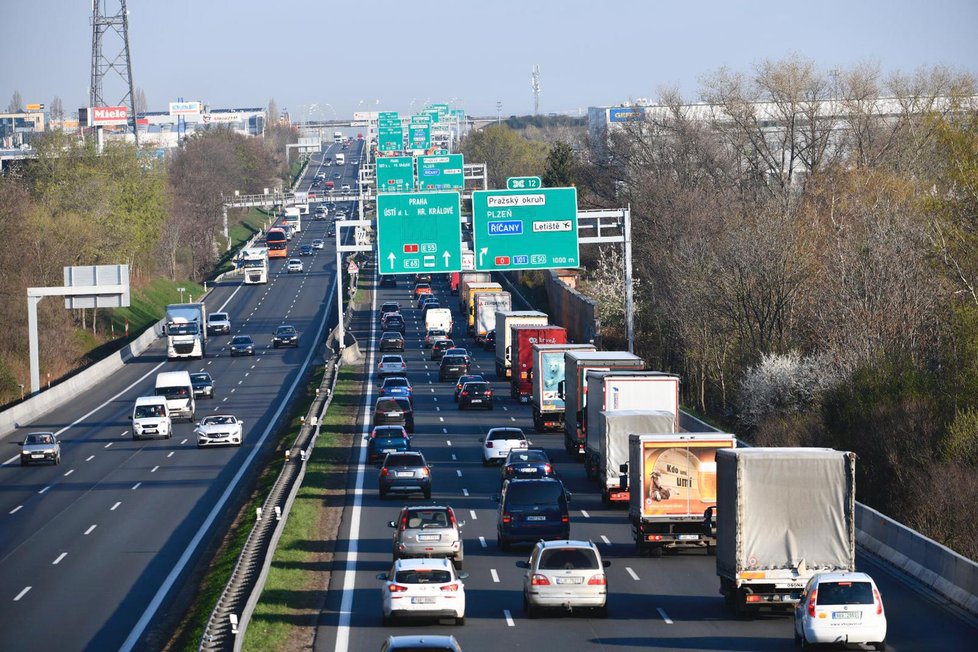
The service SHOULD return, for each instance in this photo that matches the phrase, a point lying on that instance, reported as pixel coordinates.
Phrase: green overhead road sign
(419, 232)
(525, 229)
(387, 115)
(419, 136)
(441, 172)
(390, 140)
(523, 183)
(395, 174)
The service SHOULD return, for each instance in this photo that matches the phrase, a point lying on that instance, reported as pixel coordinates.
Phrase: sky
(328, 59)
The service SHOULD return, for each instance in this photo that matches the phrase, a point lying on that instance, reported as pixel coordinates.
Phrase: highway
(92, 551)
(667, 603)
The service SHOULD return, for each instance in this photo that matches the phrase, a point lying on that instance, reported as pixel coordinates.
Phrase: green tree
(560, 166)
(505, 153)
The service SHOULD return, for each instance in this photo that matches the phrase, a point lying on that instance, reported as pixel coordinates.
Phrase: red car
(421, 288)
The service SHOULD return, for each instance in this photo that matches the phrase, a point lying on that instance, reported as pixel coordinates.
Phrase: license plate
(536, 518)
(530, 470)
(846, 615)
(405, 474)
(570, 580)
(37, 456)
(429, 537)
(390, 450)
(393, 414)
(422, 601)
(689, 537)
(475, 400)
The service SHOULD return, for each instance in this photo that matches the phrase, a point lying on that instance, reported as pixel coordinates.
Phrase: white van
(439, 318)
(179, 392)
(151, 418)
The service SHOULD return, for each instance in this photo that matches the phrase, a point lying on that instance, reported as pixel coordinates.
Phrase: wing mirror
(382, 576)
(392, 524)
(522, 564)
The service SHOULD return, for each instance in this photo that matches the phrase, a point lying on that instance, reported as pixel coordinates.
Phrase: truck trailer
(606, 456)
(505, 320)
(467, 279)
(470, 292)
(577, 365)
(523, 337)
(185, 330)
(548, 374)
(487, 304)
(783, 515)
(672, 488)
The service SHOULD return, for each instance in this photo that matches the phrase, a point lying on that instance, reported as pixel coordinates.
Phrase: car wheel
(23, 462)
(382, 494)
(797, 638)
(57, 460)
(602, 611)
(460, 620)
(427, 494)
(503, 544)
(485, 462)
(388, 620)
(459, 560)
(530, 611)
(879, 646)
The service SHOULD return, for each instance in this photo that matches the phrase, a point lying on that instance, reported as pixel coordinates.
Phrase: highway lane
(91, 542)
(666, 603)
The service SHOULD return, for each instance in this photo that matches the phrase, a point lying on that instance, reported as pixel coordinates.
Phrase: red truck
(524, 336)
(456, 276)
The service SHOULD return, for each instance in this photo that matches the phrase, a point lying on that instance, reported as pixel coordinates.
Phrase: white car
(391, 365)
(499, 441)
(423, 588)
(345, 186)
(318, 243)
(565, 574)
(840, 608)
(294, 265)
(219, 430)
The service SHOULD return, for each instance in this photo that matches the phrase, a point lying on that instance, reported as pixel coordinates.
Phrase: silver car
(428, 531)
(565, 574)
(219, 430)
(40, 447)
(294, 265)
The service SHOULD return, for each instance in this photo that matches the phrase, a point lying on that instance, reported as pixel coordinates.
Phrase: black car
(422, 278)
(531, 510)
(452, 366)
(285, 336)
(440, 346)
(388, 281)
(467, 378)
(387, 439)
(305, 250)
(391, 341)
(389, 306)
(242, 345)
(203, 384)
(527, 464)
(331, 230)
(489, 344)
(394, 411)
(394, 323)
(475, 394)
(405, 472)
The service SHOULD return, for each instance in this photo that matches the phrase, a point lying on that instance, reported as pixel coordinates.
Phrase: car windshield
(200, 378)
(528, 457)
(832, 593)
(218, 316)
(404, 460)
(534, 492)
(568, 559)
(38, 439)
(427, 518)
(423, 576)
(217, 420)
(174, 392)
(148, 411)
(507, 433)
(182, 329)
(241, 340)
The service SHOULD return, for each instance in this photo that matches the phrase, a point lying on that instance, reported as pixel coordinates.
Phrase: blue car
(387, 439)
(397, 386)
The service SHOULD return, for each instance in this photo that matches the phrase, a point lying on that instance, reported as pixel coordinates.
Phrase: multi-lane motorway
(655, 603)
(91, 550)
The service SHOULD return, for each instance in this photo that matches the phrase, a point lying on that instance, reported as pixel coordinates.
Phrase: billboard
(629, 114)
(679, 478)
(185, 108)
(103, 116)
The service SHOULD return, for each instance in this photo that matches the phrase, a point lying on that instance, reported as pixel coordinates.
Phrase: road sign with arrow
(419, 232)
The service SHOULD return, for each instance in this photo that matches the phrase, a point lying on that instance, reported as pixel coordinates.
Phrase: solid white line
(89, 458)
(509, 618)
(632, 573)
(495, 575)
(475, 517)
(22, 593)
(113, 508)
(585, 514)
(69, 472)
(482, 542)
(136, 486)
(44, 489)
(90, 528)
(58, 560)
(16, 509)
(607, 541)
(662, 613)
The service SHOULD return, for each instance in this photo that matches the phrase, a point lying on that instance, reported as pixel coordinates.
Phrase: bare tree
(16, 104)
(57, 109)
(139, 102)
(272, 111)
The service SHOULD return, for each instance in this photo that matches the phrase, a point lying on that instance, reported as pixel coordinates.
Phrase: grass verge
(147, 304)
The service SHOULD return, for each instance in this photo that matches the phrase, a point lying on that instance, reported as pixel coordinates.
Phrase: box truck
(523, 337)
(186, 335)
(548, 374)
(573, 390)
(505, 320)
(606, 455)
(467, 279)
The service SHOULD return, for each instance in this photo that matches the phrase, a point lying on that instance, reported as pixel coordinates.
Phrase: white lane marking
(240, 381)
(116, 506)
(124, 433)
(448, 441)
(153, 470)
(109, 444)
(22, 593)
(505, 409)
(44, 489)
(585, 514)
(437, 409)
(454, 459)
(509, 618)
(90, 528)
(16, 509)
(495, 575)
(89, 458)
(606, 540)
(629, 570)
(135, 486)
(665, 617)
(444, 431)
(465, 492)
(475, 517)
(482, 542)
(69, 472)
(170, 454)
(442, 419)
(512, 418)
(436, 398)
(58, 560)
(458, 472)
(183, 442)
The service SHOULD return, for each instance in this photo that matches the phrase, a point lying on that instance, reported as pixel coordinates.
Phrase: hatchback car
(530, 511)
(203, 384)
(526, 463)
(242, 345)
(285, 335)
(452, 366)
(39, 447)
(390, 365)
(394, 410)
(318, 243)
(219, 430)
(566, 575)
(419, 289)
(467, 378)
(406, 472)
(423, 588)
(475, 394)
(499, 441)
(397, 386)
(305, 250)
(432, 335)
(428, 531)
(387, 439)
(393, 322)
(440, 346)
(840, 608)
(457, 350)
(294, 265)
(391, 341)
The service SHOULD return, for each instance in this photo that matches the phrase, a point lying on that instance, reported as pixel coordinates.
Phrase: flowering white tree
(782, 384)
(605, 283)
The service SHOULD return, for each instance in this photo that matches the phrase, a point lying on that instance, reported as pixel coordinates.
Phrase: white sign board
(185, 108)
(94, 276)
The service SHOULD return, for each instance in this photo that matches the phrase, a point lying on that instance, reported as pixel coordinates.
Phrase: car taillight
(450, 587)
(879, 602)
(811, 603)
(539, 580)
(404, 521)
(547, 468)
(424, 471)
(396, 588)
(373, 435)
(507, 518)
(383, 471)
(523, 444)
(403, 366)
(489, 393)
(488, 444)
(565, 519)
(598, 580)
(451, 516)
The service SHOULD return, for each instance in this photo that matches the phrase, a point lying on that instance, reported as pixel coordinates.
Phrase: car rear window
(534, 493)
(505, 434)
(523, 457)
(396, 381)
(568, 559)
(830, 593)
(422, 518)
(423, 577)
(453, 360)
(391, 358)
(475, 387)
(403, 460)
(389, 404)
(384, 440)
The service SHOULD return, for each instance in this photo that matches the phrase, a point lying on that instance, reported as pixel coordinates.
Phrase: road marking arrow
(482, 252)
(391, 257)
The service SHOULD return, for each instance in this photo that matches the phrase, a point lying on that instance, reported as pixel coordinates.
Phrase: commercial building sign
(185, 108)
(629, 114)
(103, 116)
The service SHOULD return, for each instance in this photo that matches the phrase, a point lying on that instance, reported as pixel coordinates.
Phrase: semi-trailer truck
(505, 320)
(606, 455)
(186, 335)
(523, 337)
(470, 291)
(548, 365)
(487, 304)
(573, 390)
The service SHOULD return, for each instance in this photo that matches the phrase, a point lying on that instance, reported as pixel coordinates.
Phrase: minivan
(531, 510)
(151, 418)
(178, 389)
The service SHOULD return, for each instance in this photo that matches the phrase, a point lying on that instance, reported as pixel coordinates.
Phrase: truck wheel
(711, 550)
(655, 551)
(879, 646)
(537, 422)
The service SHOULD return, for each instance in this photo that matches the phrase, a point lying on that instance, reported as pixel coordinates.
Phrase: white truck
(548, 375)
(440, 318)
(486, 305)
(782, 515)
(577, 366)
(607, 447)
(505, 320)
(185, 330)
(151, 418)
(293, 217)
(254, 263)
(672, 486)
(341, 159)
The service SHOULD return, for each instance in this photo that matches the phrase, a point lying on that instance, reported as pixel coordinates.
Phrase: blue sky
(345, 56)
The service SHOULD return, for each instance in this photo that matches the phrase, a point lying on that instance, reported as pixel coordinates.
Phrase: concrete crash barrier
(951, 575)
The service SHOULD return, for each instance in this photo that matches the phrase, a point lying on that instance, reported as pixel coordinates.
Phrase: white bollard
(278, 513)
(258, 513)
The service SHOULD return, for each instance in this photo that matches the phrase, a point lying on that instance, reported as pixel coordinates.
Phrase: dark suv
(531, 510)
(394, 411)
(452, 366)
(407, 472)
